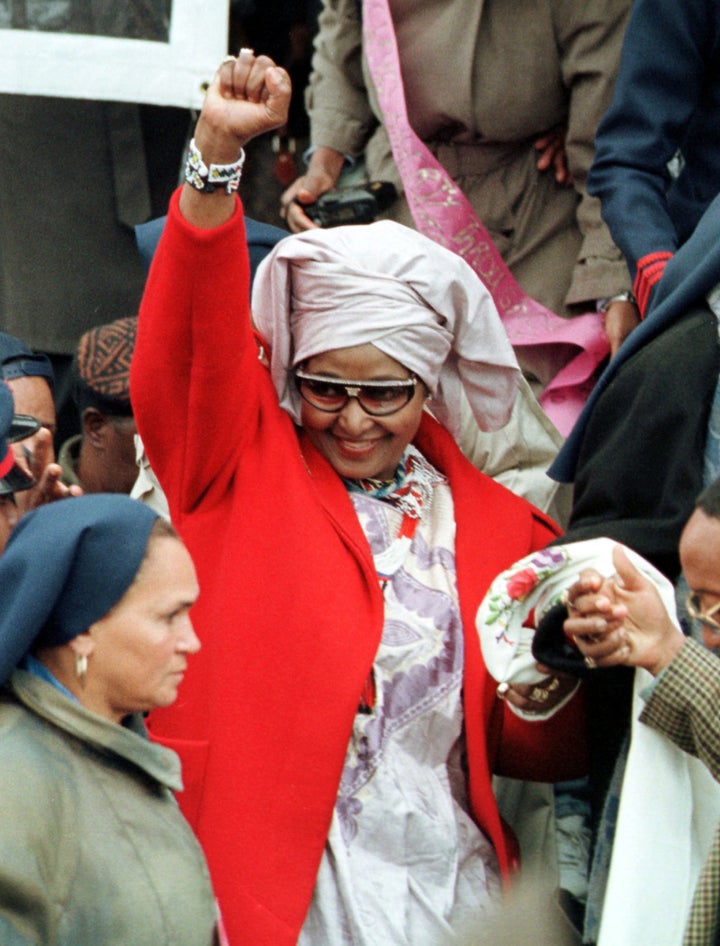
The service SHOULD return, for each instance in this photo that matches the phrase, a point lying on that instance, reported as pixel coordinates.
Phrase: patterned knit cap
(101, 367)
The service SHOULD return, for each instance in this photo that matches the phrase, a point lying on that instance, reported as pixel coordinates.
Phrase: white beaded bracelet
(208, 179)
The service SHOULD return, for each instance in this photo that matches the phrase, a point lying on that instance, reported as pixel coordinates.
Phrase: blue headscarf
(65, 566)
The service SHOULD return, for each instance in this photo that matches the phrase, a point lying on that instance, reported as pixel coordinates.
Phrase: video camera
(354, 204)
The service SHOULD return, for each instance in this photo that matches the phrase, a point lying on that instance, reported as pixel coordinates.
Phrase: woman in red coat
(339, 729)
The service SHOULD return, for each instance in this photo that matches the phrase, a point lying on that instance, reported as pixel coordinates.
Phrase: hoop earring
(81, 665)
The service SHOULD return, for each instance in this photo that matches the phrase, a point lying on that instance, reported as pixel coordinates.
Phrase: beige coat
(483, 80)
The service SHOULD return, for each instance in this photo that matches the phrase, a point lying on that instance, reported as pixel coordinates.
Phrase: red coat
(290, 613)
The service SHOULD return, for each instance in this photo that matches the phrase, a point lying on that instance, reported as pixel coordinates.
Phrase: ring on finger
(539, 694)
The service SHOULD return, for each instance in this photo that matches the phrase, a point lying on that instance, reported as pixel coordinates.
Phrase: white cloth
(386, 284)
(535, 584)
(668, 816)
(146, 487)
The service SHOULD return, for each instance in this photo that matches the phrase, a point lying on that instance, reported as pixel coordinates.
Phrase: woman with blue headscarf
(94, 632)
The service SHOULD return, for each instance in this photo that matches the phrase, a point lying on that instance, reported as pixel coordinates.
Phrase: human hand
(620, 319)
(595, 620)
(321, 176)
(248, 96)
(40, 464)
(541, 697)
(621, 620)
(553, 156)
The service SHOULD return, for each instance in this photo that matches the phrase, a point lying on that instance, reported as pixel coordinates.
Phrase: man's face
(121, 454)
(33, 396)
(700, 559)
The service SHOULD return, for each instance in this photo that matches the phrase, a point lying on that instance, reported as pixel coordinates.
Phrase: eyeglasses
(694, 609)
(377, 398)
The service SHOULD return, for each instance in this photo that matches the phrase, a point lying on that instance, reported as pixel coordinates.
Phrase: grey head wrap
(386, 284)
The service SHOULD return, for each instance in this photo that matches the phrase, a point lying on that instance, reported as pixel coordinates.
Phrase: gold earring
(81, 665)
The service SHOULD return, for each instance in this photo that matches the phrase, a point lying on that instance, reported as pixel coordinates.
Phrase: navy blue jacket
(667, 99)
(261, 238)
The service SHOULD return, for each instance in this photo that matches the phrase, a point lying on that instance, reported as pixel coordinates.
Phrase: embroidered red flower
(522, 583)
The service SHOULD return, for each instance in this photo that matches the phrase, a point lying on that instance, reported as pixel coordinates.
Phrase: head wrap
(389, 285)
(12, 427)
(65, 566)
(101, 367)
(17, 361)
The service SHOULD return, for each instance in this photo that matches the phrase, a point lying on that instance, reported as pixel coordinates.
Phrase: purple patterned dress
(404, 861)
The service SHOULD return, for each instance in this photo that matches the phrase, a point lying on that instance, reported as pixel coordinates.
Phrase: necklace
(410, 492)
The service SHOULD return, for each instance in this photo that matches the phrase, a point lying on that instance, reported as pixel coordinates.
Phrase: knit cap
(101, 367)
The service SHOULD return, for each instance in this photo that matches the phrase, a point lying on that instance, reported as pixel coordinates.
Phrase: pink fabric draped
(442, 212)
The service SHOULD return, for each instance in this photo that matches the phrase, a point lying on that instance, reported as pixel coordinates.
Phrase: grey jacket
(94, 850)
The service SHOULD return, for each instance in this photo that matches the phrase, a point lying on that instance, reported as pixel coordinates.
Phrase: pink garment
(441, 211)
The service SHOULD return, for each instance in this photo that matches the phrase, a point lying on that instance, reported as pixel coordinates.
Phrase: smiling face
(357, 445)
(699, 556)
(138, 652)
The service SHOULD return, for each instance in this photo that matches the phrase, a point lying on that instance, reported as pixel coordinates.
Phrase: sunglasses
(377, 398)
(694, 609)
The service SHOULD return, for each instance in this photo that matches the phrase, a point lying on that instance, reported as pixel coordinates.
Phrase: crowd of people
(314, 629)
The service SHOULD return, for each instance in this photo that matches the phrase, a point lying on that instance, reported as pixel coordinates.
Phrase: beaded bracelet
(208, 179)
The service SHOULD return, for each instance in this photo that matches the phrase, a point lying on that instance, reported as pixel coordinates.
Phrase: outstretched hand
(621, 620)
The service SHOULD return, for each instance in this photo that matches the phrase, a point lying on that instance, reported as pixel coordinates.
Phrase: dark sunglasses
(377, 398)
